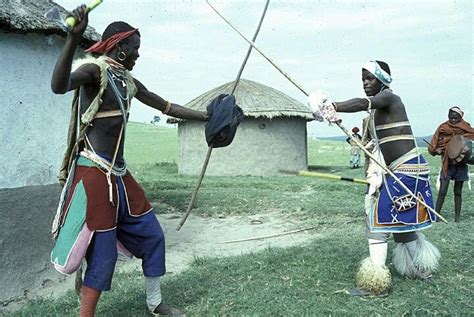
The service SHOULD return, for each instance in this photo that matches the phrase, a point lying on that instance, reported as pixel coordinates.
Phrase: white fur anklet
(416, 259)
(373, 278)
(426, 260)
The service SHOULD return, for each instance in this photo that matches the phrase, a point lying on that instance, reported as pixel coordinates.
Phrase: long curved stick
(339, 124)
(261, 53)
(236, 82)
(209, 150)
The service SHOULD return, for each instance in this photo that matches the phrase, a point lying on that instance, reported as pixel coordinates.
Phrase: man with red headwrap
(451, 170)
(110, 209)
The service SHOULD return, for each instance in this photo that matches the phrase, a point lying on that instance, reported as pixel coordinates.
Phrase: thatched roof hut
(271, 138)
(27, 16)
(256, 100)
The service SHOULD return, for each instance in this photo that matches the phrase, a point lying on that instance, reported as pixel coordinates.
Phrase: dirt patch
(203, 237)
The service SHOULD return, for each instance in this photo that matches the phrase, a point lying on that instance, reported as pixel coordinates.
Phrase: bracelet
(369, 108)
(168, 108)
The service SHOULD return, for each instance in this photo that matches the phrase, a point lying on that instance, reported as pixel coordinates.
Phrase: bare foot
(167, 310)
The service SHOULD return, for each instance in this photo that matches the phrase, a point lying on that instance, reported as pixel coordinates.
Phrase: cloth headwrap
(457, 110)
(106, 45)
(378, 72)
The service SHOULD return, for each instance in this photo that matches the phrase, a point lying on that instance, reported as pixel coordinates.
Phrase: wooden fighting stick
(209, 150)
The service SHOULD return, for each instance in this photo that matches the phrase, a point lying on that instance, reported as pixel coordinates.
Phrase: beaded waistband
(89, 158)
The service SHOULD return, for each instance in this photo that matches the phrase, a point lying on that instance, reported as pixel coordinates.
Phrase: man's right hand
(81, 14)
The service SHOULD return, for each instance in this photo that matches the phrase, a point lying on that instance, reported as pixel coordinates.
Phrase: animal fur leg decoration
(416, 259)
(373, 278)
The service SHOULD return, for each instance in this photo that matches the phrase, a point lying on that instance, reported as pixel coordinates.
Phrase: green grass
(148, 144)
(296, 281)
(300, 281)
(156, 170)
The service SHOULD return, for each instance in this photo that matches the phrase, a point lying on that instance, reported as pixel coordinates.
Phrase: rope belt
(104, 164)
(107, 168)
(108, 114)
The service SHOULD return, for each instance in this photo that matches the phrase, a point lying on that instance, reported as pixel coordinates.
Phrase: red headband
(108, 44)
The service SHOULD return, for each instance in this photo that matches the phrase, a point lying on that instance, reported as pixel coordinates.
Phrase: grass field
(300, 281)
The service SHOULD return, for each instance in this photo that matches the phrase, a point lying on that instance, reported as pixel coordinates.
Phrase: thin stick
(268, 236)
(236, 82)
(194, 194)
(389, 172)
(339, 124)
(326, 175)
(209, 151)
(258, 50)
(332, 176)
(427, 142)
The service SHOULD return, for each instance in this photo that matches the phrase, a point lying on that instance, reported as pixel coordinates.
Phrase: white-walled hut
(272, 136)
(32, 142)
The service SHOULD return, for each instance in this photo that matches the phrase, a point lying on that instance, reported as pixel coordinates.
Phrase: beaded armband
(168, 108)
(369, 108)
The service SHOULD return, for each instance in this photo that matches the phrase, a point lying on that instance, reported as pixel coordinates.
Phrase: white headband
(378, 72)
(457, 110)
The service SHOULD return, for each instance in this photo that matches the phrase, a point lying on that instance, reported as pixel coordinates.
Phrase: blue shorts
(141, 235)
(458, 172)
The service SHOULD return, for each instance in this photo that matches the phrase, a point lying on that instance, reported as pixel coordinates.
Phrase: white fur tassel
(427, 257)
(402, 260)
(373, 278)
(419, 262)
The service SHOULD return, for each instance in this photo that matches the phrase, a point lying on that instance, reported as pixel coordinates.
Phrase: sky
(186, 50)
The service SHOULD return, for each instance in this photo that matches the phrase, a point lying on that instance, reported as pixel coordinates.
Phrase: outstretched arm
(153, 100)
(381, 100)
(62, 80)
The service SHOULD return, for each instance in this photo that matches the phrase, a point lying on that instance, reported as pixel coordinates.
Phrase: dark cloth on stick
(225, 116)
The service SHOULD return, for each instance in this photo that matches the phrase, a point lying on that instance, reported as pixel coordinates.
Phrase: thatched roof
(256, 100)
(25, 16)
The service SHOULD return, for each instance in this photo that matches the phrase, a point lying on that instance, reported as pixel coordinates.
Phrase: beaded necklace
(117, 71)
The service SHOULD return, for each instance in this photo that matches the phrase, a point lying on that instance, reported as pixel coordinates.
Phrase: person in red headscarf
(354, 161)
(98, 191)
(451, 170)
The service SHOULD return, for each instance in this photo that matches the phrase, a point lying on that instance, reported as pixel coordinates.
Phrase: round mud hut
(33, 141)
(272, 136)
